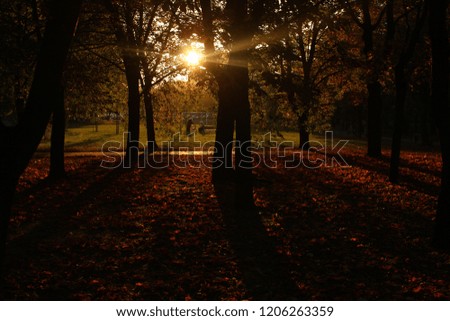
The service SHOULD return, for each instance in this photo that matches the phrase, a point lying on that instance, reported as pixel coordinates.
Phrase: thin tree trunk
(441, 113)
(23, 140)
(57, 170)
(303, 132)
(374, 89)
(150, 122)
(400, 96)
(129, 52)
(132, 73)
(401, 87)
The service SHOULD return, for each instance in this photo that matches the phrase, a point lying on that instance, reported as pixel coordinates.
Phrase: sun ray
(193, 58)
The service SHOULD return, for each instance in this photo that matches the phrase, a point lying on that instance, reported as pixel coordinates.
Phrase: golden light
(193, 58)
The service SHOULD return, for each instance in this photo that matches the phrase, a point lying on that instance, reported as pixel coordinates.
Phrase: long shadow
(51, 226)
(265, 272)
(86, 142)
(419, 168)
(389, 234)
(24, 248)
(381, 166)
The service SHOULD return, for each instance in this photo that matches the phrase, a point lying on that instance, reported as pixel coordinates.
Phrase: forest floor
(329, 233)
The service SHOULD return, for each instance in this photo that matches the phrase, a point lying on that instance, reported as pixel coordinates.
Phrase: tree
(157, 38)
(144, 32)
(368, 18)
(441, 112)
(94, 75)
(302, 60)
(122, 22)
(20, 31)
(411, 37)
(23, 35)
(241, 20)
(42, 99)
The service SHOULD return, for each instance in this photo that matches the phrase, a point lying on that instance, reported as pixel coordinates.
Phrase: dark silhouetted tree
(402, 69)
(242, 19)
(23, 139)
(441, 111)
(368, 16)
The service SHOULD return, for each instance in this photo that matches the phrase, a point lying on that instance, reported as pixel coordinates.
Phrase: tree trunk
(441, 113)
(374, 90)
(7, 189)
(150, 122)
(244, 164)
(401, 87)
(132, 73)
(223, 160)
(303, 132)
(131, 60)
(374, 106)
(22, 141)
(234, 105)
(400, 96)
(57, 170)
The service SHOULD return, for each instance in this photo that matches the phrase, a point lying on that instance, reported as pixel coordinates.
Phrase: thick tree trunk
(234, 106)
(7, 189)
(441, 113)
(374, 106)
(400, 96)
(132, 74)
(57, 170)
(244, 164)
(223, 159)
(43, 97)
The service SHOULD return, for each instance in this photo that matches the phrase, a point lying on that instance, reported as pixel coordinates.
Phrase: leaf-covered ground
(329, 233)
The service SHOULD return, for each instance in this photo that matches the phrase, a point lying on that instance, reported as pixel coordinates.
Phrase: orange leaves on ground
(346, 233)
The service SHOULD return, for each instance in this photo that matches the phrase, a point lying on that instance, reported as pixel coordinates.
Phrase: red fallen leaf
(371, 199)
(417, 289)
(139, 284)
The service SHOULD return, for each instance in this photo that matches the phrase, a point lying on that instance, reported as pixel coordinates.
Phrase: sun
(193, 58)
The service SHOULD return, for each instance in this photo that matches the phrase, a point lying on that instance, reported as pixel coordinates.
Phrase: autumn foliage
(332, 233)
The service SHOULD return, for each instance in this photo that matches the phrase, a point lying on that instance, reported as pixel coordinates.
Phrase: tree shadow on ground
(265, 272)
(410, 178)
(23, 249)
(358, 241)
